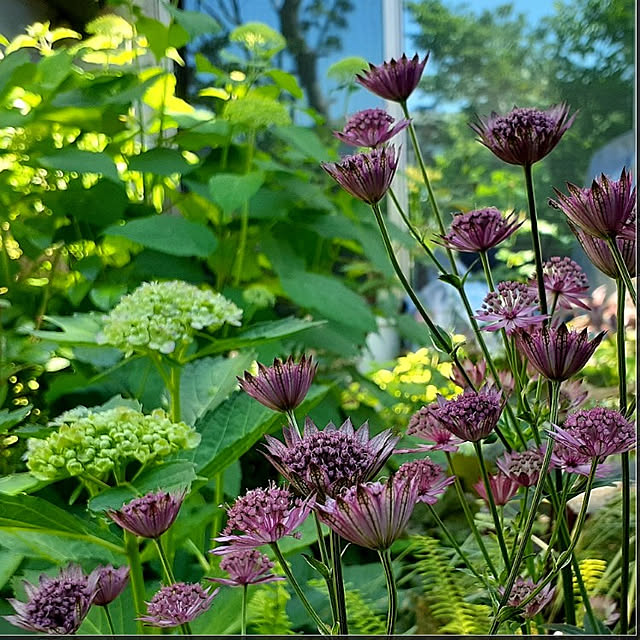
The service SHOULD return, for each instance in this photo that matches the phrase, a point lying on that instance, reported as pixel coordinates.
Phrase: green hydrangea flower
(95, 442)
(163, 316)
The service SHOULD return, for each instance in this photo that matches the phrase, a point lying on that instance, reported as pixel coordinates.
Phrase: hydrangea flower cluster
(95, 442)
(162, 316)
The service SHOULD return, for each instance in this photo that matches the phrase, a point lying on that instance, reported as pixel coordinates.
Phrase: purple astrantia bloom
(479, 230)
(522, 467)
(326, 462)
(564, 281)
(370, 128)
(605, 210)
(425, 425)
(573, 394)
(556, 352)
(149, 516)
(283, 385)
(521, 590)
(372, 515)
(56, 605)
(110, 583)
(262, 516)
(394, 80)
(572, 461)
(177, 604)
(366, 176)
(429, 477)
(503, 488)
(596, 433)
(512, 306)
(246, 567)
(523, 136)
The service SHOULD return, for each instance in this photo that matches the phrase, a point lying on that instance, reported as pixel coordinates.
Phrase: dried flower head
(564, 281)
(512, 306)
(370, 128)
(522, 467)
(428, 476)
(503, 488)
(246, 567)
(110, 583)
(178, 604)
(521, 590)
(424, 424)
(523, 136)
(394, 80)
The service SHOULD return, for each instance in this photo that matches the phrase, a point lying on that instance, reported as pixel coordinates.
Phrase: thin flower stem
(291, 417)
(107, 614)
(560, 510)
(392, 611)
(166, 567)
(137, 579)
(324, 556)
(218, 497)
(567, 573)
(174, 392)
(243, 627)
(622, 269)
(338, 583)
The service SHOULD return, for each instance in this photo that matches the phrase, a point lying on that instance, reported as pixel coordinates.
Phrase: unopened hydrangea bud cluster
(162, 316)
(97, 442)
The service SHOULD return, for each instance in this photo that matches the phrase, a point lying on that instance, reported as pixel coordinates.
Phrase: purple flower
(428, 476)
(149, 516)
(366, 176)
(479, 230)
(326, 462)
(572, 461)
(503, 488)
(394, 80)
(372, 515)
(522, 467)
(573, 394)
(424, 424)
(56, 605)
(262, 516)
(556, 352)
(596, 433)
(523, 136)
(370, 128)
(565, 280)
(478, 375)
(511, 306)
(178, 604)
(110, 583)
(283, 385)
(246, 567)
(521, 590)
(605, 210)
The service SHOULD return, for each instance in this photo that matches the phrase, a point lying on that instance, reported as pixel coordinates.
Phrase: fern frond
(267, 610)
(592, 570)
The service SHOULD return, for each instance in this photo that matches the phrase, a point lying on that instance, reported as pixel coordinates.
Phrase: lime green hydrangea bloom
(95, 442)
(163, 316)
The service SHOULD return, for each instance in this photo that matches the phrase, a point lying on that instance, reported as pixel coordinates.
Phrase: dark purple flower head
(522, 467)
(502, 487)
(262, 516)
(366, 176)
(177, 604)
(556, 352)
(429, 477)
(370, 128)
(523, 136)
(565, 280)
(479, 230)
(394, 80)
(424, 424)
(149, 516)
(606, 210)
(521, 590)
(56, 605)
(110, 583)
(326, 462)
(596, 433)
(512, 306)
(283, 385)
(246, 567)
(372, 515)
(571, 460)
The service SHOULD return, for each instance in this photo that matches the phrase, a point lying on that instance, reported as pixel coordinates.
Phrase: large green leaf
(16, 483)
(195, 23)
(9, 563)
(80, 328)
(161, 161)
(72, 159)
(230, 191)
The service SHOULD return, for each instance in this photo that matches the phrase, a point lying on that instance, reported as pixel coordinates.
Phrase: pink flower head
(479, 230)
(522, 467)
(556, 352)
(565, 280)
(512, 306)
(177, 604)
(394, 80)
(149, 516)
(326, 462)
(262, 516)
(246, 567)
(366, 176)
(370, 128)
(283, 385)
(605, 210)
(503, 488)
(425, 425)
(523, 136)
(110, 583)
(521, 590)
(570, 460)
(429, 477)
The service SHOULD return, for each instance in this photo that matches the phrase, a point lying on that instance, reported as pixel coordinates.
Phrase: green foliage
(267, 610)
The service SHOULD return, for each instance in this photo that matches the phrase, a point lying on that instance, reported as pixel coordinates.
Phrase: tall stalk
(623, 270)
(338, 583)
(137, 579)
(392, 610)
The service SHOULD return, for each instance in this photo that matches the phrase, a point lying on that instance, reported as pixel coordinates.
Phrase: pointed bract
(503, 488)
(370, 128)
(394, 80)
(110, 583)
(512, 306)
(428, 476)
(564, 281)
(149, 516)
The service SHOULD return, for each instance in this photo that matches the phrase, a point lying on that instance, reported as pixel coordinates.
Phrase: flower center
(524, 123)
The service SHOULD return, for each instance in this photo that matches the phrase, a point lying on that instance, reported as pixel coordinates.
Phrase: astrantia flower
(366, 176)
(178, 604)
(262, 516)
(149, 516)
(503, 488)
(565, 281)
(523, 136)
(325, 462)
(573, 394)
(480, 230)
(110, 583)
(372, 515)
(478, 375)
(56, 605)
(394, 80)
(571, 460)
(246, 567)
(604, 210)
(556, 352)
(428, 476)
(522, 467)
(521, 590)
(370, 128)
(283, 385)
(512, 306)
(425, 425)
(163, 316)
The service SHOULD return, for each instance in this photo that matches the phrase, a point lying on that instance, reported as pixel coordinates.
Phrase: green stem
(137, 579)
(567, 573)
(244, 219)
(324, 556)
(218, 498)
(166, 567)
(291, 416)
(392, 611)
(622, 269)
(107, 614)
(338, 583)
(243, 628)
(174, 391)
